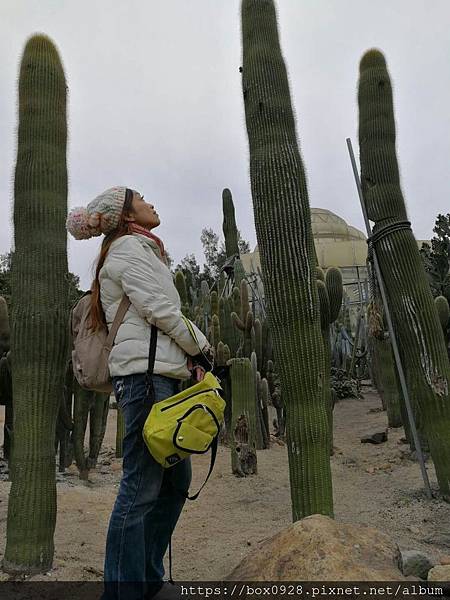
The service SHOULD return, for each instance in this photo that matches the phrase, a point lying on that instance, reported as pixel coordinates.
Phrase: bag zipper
(189, 397)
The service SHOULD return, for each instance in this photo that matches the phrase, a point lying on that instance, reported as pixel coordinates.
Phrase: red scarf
(139, 229)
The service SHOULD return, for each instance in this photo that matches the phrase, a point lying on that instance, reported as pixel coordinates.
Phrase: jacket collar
(153, 245)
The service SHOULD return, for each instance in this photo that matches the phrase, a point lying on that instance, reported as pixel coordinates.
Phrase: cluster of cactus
(342, 385)
(420, 339)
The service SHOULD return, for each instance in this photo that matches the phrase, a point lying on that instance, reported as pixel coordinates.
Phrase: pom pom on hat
(102, 215)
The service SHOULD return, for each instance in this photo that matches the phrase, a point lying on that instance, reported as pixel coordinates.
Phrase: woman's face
(143, 213)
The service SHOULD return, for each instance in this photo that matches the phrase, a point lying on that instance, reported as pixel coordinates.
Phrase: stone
(441, 573)
(377, 437)
(445, 560)
(414, 562)
(318, 548)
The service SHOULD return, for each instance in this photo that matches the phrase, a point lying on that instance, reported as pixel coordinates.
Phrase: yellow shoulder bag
(184, 424)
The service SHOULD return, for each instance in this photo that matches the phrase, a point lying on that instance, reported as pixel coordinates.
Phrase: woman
(132, 261)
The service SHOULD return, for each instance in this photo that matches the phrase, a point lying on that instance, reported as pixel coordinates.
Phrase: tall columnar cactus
(6, 399)
(258, 407)
(64, 424)
(180, 284)
(325, 321)
(39, 315)
(228, 332)
(243, 419)
(230, 231)
(273, 382)
(245, 322)
(214, 337)
(239, 272)
(4, 327)
(285, 240)
(443, 310)
(94, 405)
(415, 318)
(214, 299)
(223, 355)
(335, 290)
(258, 344)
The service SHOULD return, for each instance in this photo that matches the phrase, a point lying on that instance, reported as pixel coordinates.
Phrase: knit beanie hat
(102, 215)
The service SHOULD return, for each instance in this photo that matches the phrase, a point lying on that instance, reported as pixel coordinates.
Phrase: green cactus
(64, 424)
(223, 354)
(415, 318)
(236, 300)
(230, 231)
(443, 311)
(229, 334)
(244, 323)
(6, 399)
(335, 290)
(214, 337)
(180, 284)
(320, 275)
(239, 272)
(325, 321)
(4, 327)
(214, 302)
(258, 411)
(285, 240)
(258, 344)
(263, 392)
(243, 420)
(273, 382)
(94, 405)
(40, 308)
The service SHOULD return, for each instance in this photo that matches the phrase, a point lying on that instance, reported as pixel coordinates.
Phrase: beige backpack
(91, 349)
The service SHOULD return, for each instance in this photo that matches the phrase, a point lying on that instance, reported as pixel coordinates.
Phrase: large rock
(414, 562)
(440, 573)
(318, 548)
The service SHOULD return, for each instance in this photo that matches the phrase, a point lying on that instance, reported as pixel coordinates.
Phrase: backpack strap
(123, 307)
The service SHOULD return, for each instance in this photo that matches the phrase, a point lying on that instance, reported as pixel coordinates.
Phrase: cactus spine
(39, 292)
(285, 240)
(415, 318)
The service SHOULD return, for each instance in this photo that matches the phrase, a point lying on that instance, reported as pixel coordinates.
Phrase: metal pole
(391, 330)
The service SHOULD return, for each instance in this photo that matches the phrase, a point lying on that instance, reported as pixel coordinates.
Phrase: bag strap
(185, 495)
(151, 364)
(211, 466)
(123, 307)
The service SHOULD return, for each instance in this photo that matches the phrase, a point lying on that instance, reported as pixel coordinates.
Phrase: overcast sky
(155, 104)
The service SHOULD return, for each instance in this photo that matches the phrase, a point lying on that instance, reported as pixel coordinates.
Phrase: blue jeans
(147, 507)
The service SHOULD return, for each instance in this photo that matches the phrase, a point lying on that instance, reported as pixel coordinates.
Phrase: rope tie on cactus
(387, 230)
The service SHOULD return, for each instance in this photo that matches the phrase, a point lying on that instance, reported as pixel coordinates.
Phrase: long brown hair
(97, 315)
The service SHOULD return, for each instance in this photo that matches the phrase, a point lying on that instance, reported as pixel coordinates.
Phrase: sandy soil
(373, 485)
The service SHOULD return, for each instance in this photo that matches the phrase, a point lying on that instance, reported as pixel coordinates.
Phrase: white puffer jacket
(133, 265)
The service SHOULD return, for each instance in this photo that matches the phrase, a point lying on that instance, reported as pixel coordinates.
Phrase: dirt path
(373, 485)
